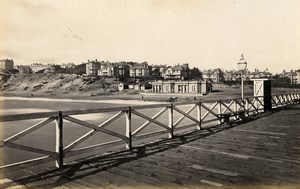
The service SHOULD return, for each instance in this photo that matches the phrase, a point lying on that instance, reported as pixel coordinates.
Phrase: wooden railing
(201, 114)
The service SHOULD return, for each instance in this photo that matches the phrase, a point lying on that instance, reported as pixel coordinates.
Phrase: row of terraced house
(293, 75)
(143, 70)
(168, 79)
(136, 70)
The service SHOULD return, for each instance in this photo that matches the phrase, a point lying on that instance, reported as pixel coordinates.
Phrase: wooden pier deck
(262, 153)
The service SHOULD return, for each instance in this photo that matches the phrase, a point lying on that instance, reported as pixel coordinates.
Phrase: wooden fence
(206, 113)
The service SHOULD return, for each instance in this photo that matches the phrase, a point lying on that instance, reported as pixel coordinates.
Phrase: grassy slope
(56, 84)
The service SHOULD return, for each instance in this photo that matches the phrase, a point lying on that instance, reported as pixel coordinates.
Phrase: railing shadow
(95, 164)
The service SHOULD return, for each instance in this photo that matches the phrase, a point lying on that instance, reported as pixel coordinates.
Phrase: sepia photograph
(153, 94)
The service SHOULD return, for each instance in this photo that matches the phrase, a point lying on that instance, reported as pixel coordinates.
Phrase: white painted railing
(201, 114)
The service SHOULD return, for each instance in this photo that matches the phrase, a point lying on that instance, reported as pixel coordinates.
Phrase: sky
(204, 33)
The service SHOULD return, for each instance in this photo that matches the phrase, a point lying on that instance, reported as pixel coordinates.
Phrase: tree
(155, 74)
(281, 81)
(195, 74)
(59, 69)
(78, 69)
(276, 76)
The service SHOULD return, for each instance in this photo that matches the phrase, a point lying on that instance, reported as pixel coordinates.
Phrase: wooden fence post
(235, 109)
(246, 107)
(171, 124)
(220, 111)
(199, 115)
(128, 129)
(59, 141)
(235, 105)
(244, 104)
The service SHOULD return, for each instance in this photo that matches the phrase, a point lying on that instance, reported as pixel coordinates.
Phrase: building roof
(210, 72)
(159, 66)
(2, 60)
(292, 73)
(140, 65)
(178, 67)
(107, 64)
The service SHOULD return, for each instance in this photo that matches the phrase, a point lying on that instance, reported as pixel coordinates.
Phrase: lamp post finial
(242, 57)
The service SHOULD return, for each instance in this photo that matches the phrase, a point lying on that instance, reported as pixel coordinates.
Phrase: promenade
(264, 152)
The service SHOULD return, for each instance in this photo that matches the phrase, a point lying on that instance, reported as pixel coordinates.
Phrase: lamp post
(242, 67)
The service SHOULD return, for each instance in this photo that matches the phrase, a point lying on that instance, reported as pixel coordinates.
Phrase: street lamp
(242, 67)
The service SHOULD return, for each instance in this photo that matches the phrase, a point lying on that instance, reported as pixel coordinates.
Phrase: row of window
(180, 88)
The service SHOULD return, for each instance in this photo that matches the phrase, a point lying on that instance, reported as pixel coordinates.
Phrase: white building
(181, 86)
(92, 67)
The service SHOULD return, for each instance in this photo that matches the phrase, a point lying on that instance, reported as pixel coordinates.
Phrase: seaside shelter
(181, 86)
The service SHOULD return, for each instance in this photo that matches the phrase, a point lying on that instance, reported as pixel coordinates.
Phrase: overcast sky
(204, 33)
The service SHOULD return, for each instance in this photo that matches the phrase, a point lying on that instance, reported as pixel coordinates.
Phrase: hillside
(78, 86)
(57, 84)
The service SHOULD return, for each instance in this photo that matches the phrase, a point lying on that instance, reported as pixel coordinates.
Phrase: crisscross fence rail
(130, 124)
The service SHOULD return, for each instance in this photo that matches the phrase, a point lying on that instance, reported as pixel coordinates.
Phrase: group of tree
(195, 73)
(279, 81)
(78, 69)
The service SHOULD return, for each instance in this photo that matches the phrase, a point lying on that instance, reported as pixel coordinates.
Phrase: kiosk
(262, 87)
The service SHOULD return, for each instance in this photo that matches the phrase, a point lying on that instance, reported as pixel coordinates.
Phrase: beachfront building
(92, 67)
(157, 71)
(141, 86)
(260, 74)
(107, 70)
(139, 70)
(182, 86)
(230, 75)
(215, 75)
(122, 86)
(177, 72)
(292, 75)
(122, 70)
(6, 64)
(297, 77)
